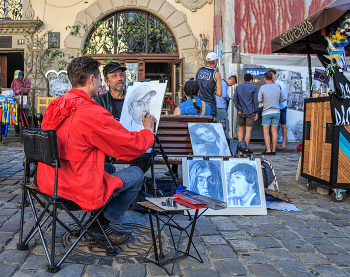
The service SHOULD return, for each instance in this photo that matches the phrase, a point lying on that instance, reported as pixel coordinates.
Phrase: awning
(294, 39)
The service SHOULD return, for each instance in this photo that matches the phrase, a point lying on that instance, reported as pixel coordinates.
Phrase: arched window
(11, 10)
(130, 32)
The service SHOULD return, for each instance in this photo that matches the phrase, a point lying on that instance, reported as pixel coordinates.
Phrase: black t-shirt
(117, 108)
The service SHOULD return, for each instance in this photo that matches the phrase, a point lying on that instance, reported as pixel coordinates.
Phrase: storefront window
(130, 32)
(11, 9)
(131, 73)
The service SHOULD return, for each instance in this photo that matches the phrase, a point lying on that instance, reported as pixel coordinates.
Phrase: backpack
(164, 187)
(268, 173)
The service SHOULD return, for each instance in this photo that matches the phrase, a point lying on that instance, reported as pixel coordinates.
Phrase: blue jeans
(222, 116)
(109, 168)
(132, 178)
(213, 111)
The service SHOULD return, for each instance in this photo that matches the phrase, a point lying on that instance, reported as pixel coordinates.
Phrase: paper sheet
(281, 206)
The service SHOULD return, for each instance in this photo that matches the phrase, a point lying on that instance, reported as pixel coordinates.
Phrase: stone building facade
(186, 21)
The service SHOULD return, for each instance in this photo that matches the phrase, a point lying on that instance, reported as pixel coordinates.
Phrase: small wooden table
(154, 210)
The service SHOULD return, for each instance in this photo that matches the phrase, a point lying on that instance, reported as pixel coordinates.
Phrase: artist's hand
(239, 111)
(256, 117)
(148, 122)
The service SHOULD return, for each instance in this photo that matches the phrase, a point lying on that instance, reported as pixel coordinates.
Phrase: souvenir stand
(8, 115)
(326, 142)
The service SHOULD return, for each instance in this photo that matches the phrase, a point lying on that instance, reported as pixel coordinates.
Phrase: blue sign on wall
(256, 72)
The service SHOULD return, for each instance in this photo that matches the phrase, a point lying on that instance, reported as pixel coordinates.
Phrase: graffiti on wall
(257, 22)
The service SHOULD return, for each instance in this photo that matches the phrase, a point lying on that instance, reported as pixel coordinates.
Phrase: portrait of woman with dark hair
(243, 186)
(208, 139)
(205, 178)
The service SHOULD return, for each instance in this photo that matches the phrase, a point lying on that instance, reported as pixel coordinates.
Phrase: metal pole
(309, 64)
(21, 112)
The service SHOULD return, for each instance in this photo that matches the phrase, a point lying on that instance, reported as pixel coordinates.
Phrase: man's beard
(119, 89)
(119, 86)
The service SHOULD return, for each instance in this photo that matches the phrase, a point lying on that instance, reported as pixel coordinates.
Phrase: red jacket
(85, 133)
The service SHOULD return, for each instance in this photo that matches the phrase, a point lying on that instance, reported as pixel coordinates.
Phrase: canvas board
(142, 98)
(241, 198)
(208, 139)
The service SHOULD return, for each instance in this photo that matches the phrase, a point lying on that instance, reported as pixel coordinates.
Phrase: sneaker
(167, 174)
(116, 237)
(282, 147)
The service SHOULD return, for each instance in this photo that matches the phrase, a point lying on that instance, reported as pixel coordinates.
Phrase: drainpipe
(236, 60)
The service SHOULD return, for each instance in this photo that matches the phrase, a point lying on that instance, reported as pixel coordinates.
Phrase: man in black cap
(113, 101)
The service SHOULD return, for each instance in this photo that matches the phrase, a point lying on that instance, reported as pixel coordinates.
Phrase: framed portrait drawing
(240, 181)
(208, 139)
(204, 176)
(142, 98)
(244, 186)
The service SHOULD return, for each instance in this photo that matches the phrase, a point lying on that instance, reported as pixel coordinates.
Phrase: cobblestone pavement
(314, 241)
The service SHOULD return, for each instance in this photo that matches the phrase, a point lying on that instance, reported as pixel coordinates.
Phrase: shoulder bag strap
(203, 108)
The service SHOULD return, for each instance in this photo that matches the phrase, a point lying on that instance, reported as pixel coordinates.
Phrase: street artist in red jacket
(85, 133)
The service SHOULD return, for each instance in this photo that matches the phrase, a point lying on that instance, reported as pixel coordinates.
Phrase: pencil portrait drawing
(142, 98)
(205, 178)
(242, 184)
(208, 139)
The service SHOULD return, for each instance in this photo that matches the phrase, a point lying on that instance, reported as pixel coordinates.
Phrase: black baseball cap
(110, 67)
(191, 85)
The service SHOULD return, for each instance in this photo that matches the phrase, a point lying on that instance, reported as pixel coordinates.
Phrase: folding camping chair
(41, 146)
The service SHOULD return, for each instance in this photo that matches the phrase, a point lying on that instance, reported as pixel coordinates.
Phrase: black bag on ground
(268, 173)
(141, 197)
(164, 187)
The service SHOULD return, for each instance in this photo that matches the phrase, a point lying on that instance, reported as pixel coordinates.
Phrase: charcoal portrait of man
(243, 186)
(205, 178)
(138, 105)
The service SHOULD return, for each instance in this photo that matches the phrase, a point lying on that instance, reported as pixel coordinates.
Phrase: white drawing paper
(142, 98)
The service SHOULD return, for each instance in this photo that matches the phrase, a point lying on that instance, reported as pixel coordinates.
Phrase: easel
(155, 152)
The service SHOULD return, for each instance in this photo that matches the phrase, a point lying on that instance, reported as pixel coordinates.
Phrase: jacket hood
(63, 107)
(249, 87)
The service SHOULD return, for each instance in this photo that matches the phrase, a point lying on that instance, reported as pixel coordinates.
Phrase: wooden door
(178, 73)
(3, 71)
(317, 148)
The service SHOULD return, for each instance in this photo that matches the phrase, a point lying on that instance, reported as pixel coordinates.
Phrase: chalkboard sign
(5, 42)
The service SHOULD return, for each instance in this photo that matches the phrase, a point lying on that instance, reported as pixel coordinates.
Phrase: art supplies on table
(167, 204)
(211, 203)
(189, 202)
